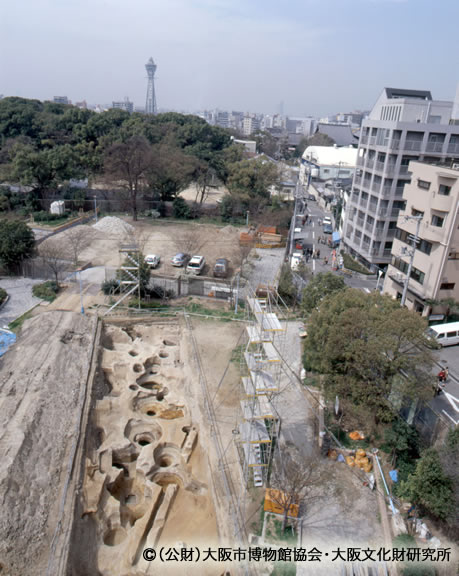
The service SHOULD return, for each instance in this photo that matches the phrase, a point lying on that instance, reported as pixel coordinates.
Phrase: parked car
(196, 265)
(296, 260)
(327, 220)
(328, 229)
(221, 268)
(180, 259)
(153, 260)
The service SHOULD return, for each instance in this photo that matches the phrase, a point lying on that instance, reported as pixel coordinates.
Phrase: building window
(454, 255)
(423, 245)
(423, 184)
(437, 221)
(444, 190)
(416, 274)
(415, 212)
(447, 286)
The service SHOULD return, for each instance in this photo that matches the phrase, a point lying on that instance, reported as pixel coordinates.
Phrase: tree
(55, 255)
(128, 163)
(293, 483)
(77, 239)
(402, 441)
(253, 178)
(266, 143)
(17, 241)
(430, 487)
(317, 139)
(319, 287)
(180, 208)
(171, 171)
(190, 241)
(371, 352)
(286, 288)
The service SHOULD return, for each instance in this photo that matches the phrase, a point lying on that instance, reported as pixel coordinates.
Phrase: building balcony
(379, 166)
(453, 148)
(435, 147)
(369, 227)
(372, 208)
(363, 202)
(363, 140)
(379, 233)
(441, 202)
(399, 191)
(360, 222)
(372, 140)
(432, 233)
(404, 170)
(394, 145)
(412, 145)
(386, 191)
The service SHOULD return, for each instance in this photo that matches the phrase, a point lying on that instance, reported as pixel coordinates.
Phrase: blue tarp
(336, 237)
(6, 339)
(393, 475)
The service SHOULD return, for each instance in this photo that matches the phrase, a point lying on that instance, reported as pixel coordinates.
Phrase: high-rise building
(61, 100)
(126, 104)
(404, 125)
(432, 209)
(250, 124)
(150, 106)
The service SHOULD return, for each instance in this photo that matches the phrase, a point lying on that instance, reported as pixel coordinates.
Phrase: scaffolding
(260, 384)
(130, 274)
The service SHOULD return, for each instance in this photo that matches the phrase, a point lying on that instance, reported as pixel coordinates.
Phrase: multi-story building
(250, 124)
(403, 126)
(61, 100)
(124, 105)
(432, 198)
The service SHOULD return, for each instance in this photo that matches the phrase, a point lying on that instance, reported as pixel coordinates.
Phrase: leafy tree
(171, 171)
(180, 208)
(266, 143)
(362, 344)
(320, 286)
(16, 243)
(252, 178)
(317, 139)
(430, 487)
(286, 288)
(128, 163)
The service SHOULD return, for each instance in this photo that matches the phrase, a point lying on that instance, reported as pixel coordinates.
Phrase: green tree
(180, 208)
(252, 178)
(320, 286)
(370, 351)
(171, 171)
(286, 288)
(430, 487)
(16, 243)
(128, 163)
(317, 139)
(266, 143)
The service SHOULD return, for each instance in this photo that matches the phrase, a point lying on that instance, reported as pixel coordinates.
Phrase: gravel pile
(114, 226)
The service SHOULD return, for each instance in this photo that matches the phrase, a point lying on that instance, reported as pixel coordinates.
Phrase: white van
(196, 265)
(445, 334)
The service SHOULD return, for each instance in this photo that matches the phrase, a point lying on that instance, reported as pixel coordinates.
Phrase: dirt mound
(41, 380)
(114, 226)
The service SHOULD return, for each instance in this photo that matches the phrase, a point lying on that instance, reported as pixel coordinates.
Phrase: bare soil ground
(41, 378)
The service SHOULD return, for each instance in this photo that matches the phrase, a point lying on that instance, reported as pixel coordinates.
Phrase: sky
(310, 57)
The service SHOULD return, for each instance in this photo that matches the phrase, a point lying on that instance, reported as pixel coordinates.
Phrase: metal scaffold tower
(130, 275)
(261, 371)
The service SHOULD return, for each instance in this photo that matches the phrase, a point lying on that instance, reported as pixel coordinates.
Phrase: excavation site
(145, 478)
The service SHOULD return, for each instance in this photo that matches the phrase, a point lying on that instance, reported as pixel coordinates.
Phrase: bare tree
(190, 241)
(55, 255)
(128, 163)
(294, 482)
(77, 239)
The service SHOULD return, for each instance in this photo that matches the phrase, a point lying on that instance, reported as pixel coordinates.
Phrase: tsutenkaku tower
(150, 106)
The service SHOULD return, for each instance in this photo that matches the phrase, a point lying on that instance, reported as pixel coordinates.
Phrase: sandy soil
(40, 382)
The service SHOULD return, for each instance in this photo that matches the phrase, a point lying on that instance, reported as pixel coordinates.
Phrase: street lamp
(380, 273)
(414, 241)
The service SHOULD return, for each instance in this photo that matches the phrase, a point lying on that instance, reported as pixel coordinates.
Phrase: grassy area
(147, 304)
(16, 325)
(225, 315)
(351, 264)
(46, 291)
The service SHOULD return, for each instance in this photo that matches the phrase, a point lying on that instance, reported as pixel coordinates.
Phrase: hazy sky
(318, 57)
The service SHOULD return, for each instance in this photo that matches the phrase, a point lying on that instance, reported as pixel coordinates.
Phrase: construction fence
(186, 285)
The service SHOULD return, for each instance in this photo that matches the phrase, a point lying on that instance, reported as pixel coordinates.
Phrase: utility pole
(414, 241)
(95, 207)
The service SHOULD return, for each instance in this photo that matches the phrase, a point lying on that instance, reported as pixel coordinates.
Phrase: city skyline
(318, 58)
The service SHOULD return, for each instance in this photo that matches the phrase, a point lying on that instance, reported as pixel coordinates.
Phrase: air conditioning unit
(399, 277)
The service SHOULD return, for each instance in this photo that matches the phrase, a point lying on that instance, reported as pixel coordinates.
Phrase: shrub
(46, 291)
(3, 295)
(16, 242)
(110, 286)
(180, 209)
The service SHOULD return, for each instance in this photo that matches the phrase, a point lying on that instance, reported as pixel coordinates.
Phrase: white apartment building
(327, 162)
(250, 125)
(433, 195)
(126, 105)
(403, 126)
